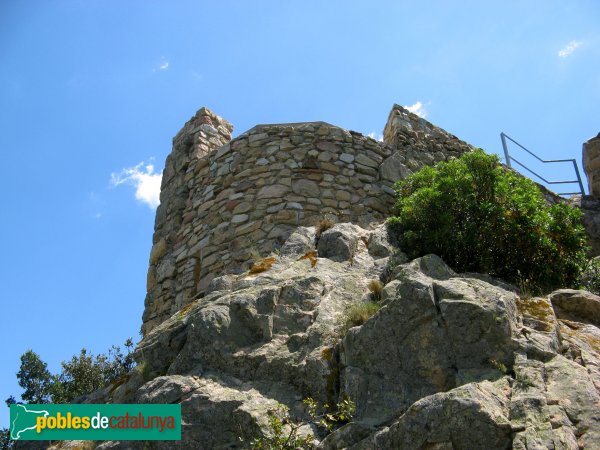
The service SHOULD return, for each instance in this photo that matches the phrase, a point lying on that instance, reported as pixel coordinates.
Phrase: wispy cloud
(145, 181)
(162, 65)
(376, 136)
(569, 48)
(418, 109)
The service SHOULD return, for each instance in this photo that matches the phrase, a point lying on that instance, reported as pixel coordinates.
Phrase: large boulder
(439, 331)
(340, 242)
(582, 306)
(473, 416)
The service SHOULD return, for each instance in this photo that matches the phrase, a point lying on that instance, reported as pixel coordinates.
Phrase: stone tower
(223, 200)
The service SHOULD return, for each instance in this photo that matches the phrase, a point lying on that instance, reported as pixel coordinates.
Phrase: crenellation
(224, 199)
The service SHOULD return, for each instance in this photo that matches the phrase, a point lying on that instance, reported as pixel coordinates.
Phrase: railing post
(578, 177)
(506, 156)
(586, 159)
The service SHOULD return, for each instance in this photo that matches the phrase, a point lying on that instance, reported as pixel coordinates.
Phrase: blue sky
(92, 93)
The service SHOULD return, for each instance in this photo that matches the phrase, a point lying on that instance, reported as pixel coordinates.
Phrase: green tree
(480, 217)
(81, 375)
(87, 373)
(35, 378)
(5, 442)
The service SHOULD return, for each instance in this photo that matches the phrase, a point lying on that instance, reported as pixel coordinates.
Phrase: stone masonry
(591, 164)
(226, 201)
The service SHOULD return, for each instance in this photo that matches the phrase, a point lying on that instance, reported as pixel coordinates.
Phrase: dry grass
(322, 226)
(376, 288)
(356, 315)
(262, 265)
(310, 256)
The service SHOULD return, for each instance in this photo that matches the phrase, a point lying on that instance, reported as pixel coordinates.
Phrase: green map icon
(23, 420)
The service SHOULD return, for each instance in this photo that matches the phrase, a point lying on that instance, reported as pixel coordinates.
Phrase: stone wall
(591, 164)
(224, 201)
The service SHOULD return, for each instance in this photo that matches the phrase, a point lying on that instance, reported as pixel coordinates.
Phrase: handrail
(508, 158)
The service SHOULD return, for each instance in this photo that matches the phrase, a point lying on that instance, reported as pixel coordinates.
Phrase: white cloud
(569, 48)
(162, 65)
(145, 181)
(377, 137)
(417, 109)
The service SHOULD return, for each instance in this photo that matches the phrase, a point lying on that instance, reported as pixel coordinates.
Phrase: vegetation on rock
(5, 442)
(481, 217)
(357, 314)
(590, 277)
(284, 431)
(81, 375)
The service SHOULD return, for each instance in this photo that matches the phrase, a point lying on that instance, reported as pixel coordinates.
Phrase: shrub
(590, 278)
(480, 217)
(283, 430)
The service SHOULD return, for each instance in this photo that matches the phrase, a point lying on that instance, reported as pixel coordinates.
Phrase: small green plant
(376, 288)
(343, 413)
(357, 314)
(524, 380)
(284, 431)
(498, 365)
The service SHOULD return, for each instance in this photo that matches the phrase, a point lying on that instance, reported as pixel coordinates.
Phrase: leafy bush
(5, 442)
(590, 278)
(480, 217)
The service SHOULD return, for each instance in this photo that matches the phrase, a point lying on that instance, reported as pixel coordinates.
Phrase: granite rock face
(450, 361)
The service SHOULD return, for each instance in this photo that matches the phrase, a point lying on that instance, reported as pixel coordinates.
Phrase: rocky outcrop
(449, 361)
(437, 331)
(263, 247)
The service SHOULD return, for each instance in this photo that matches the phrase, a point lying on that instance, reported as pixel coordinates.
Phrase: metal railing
(509, 158)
